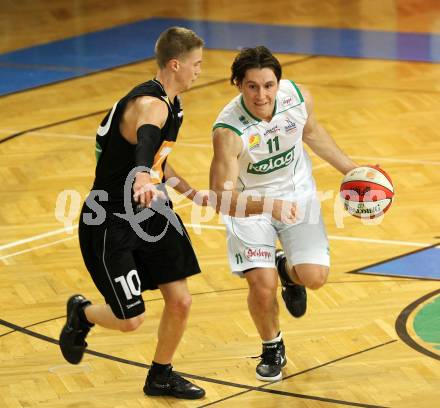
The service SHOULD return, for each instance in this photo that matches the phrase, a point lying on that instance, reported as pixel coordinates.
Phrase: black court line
(203, 293)
(194, 88)
(358, 270)
(92, 72)
(145, 302)
(248, 388)
(47, 67)
(34, 324)
(402, 278)
(76, 77)
(402, 320)
(61, 122)
(306, 371)
(371, 88)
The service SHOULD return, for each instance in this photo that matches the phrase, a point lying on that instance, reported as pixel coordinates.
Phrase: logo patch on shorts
(258, 254)
(133, 304)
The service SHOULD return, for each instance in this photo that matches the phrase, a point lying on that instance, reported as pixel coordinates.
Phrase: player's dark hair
(175, 42)
(258, 57)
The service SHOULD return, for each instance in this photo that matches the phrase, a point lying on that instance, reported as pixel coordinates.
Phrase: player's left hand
(201, 198)
(144, 192)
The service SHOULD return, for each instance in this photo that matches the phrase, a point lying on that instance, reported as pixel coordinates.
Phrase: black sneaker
(172, 384)
(273, 359)
(294, 295)
(72, 337)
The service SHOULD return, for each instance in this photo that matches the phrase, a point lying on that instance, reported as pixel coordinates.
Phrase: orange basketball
(367, 192)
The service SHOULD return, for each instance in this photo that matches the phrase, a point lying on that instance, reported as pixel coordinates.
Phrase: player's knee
(131, 324)
(265, 292)
(262, 294)
(318, 278)
(181, 304)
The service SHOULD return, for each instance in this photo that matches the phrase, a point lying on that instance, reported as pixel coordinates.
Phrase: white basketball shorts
(252, 241)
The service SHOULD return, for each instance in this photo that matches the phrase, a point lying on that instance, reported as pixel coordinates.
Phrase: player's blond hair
(175, 42)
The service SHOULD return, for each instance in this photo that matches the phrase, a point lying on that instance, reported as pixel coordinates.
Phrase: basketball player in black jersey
(138, 133)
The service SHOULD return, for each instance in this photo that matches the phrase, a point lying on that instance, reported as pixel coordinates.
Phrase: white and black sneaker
(273, 359)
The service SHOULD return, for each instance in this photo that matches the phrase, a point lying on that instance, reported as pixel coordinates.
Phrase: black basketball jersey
(116, 156)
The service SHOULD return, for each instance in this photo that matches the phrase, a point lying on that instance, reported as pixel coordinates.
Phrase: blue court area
(424, 264)
(77, 56)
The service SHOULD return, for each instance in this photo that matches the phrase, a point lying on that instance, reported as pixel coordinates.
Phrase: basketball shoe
(72, 336)
(294, 295)
(273, 359)
(168, 382)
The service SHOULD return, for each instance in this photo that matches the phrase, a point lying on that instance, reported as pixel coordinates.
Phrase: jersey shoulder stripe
(235, 117)
(289, 97)
(225, 125)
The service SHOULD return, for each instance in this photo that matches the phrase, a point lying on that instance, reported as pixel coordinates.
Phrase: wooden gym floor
(358, 345)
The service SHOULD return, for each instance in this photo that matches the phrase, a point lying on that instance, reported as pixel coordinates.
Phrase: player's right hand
(284, 211)
(145, 192)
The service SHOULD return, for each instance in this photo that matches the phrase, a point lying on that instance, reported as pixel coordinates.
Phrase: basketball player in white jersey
(258, 152)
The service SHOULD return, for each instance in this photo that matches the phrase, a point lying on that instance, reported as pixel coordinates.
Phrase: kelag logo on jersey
(272, 163)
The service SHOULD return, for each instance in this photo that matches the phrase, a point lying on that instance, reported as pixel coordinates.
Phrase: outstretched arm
(318, 139)
(223, 179)
(183, 187)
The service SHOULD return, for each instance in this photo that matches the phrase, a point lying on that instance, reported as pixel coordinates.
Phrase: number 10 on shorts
(129, 287)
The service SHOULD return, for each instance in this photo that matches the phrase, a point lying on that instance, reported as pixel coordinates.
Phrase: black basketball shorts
(123, 265)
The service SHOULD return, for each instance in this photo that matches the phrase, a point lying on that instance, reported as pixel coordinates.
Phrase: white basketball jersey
(273, 161)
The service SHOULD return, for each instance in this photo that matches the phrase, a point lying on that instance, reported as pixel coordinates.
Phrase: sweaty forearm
(238, 204)
(326, 148)
(177, 182)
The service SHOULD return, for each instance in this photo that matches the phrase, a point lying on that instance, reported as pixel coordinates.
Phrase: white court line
(53, 134)
(183, 205)
(3, 258)
(375, 159)
(392, 160)
(201, 226)
(67, 230)
(64, 135)
(39, 236)
(379, 159)
(218, 227)
(379, 241)
(184, 144)
(320, 166)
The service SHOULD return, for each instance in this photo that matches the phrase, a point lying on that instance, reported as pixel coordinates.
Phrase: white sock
(275, 340)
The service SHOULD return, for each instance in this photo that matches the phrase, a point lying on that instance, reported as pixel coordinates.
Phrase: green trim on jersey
(225, 125)
(274, 108)
(98, 151)
(299, 92)
(291, 107)
(247, 111)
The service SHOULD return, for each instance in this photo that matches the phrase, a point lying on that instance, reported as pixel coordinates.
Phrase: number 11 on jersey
(272, 142)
